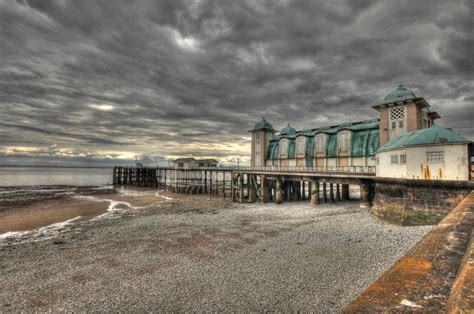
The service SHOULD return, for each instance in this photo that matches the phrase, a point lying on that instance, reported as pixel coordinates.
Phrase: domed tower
(262, 134)
(402, 111)
(288, 130)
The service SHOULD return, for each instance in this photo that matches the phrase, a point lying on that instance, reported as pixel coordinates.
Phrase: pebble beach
(184, 253)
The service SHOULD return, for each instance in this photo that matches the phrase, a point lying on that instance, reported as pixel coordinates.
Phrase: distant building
(405, 128)
(207, 163)
(184, 163)
(191, 163)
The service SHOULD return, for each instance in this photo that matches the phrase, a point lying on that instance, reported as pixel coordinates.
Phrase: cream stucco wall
(331, 162)
(358, 161)
(454, 167)
(371, 161)
(385, 168)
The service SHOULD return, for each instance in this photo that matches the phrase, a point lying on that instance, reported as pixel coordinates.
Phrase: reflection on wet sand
(16, 214)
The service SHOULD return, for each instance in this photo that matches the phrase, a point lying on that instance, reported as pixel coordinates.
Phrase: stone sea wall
(417, 202)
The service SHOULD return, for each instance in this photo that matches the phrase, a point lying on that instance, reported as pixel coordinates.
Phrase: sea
(34, 176)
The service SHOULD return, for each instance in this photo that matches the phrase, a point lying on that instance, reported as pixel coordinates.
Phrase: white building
(184, 163)
(191, 163)
(434, 153)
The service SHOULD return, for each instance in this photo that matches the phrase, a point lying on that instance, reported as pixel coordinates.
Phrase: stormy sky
(103, 82)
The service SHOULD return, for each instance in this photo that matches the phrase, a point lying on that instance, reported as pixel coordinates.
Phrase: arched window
(283, 148)
(343, 141)
(300, 141)
(320, 144)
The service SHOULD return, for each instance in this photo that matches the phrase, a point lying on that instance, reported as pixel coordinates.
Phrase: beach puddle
(21, 216)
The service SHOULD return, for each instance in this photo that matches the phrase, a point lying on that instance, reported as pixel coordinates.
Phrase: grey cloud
(185, 77)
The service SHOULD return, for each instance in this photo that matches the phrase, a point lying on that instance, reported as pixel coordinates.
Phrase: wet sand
(45, 213)
(31, 208)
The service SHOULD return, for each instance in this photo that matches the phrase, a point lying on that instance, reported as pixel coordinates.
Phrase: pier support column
(288, 190)
(251, 188)
(263, 187)
(345, 192)
(325, 196)
(338, 193)
(331, 192)
(303, 190)
(365, 195)
(314, 192)
(241, 188)
(298, 190)
(278, 196)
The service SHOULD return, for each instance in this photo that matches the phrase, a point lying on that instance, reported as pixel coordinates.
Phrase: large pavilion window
(343, 143)
(300, 141)
(283, 148)
(320, 143)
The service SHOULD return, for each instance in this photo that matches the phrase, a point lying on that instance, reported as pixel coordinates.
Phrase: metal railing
(362, 170)
(365, 170)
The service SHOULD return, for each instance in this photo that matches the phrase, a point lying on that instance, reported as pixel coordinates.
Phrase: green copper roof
(287, 131)
(434, 135)
(365, 139)
(333, 129)
(400, 94)
(273, 150)
(365, 142)
(291, 149)
(262, 125)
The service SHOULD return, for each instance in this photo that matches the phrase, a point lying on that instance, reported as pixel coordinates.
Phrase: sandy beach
(197, 253)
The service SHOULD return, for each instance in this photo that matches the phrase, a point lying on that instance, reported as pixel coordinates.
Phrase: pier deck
(249, 184)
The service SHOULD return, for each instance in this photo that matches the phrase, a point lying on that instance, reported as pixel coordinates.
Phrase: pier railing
(362, 170)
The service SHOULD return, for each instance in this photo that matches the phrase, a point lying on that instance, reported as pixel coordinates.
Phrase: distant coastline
(55, 175)
(53, 166)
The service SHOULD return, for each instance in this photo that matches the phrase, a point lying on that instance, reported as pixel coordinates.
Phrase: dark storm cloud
(191, 77)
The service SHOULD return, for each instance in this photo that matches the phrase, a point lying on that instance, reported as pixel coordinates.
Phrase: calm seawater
(19, 176)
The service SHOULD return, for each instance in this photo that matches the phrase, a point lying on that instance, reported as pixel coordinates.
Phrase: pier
(210, 180)
(252, 184)
(397, 200)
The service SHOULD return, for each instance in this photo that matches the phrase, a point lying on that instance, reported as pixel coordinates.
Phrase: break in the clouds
(100, 81)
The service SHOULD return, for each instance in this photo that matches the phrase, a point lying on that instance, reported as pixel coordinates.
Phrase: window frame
(283, 144)
(394, 159)
(435, 157)
(320, 142)
(300, 144)
(344, 141)
(403, 159)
